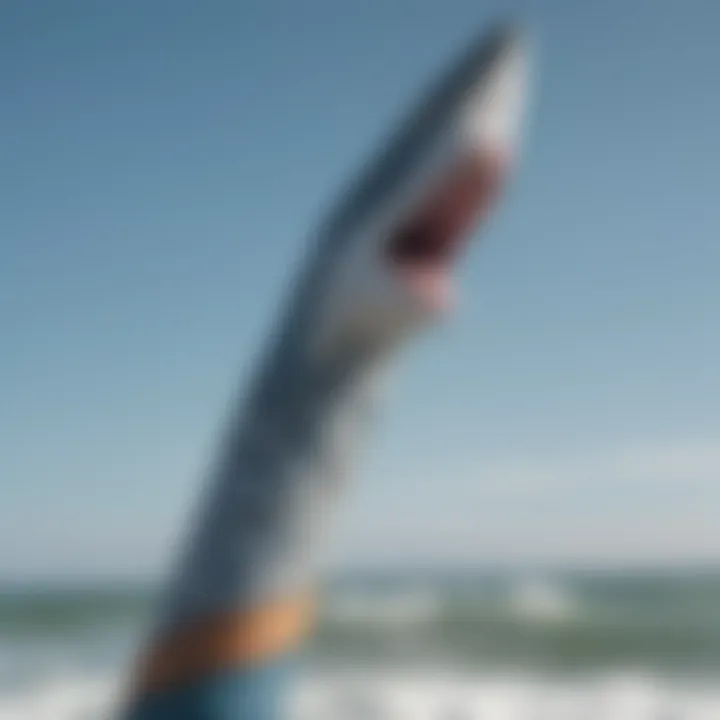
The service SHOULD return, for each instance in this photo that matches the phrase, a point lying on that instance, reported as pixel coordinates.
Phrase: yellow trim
(237, 638)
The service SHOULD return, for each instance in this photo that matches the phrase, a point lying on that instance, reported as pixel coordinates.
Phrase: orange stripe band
(239, 638)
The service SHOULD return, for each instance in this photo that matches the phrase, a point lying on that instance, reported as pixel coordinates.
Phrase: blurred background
(536, 527)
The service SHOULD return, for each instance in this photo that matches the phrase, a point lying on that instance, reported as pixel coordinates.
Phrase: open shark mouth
(423, 248)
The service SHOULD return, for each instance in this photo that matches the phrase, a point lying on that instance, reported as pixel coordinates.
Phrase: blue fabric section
(255, 693)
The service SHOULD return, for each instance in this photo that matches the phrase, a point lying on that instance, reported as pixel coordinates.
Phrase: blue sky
(162, 165)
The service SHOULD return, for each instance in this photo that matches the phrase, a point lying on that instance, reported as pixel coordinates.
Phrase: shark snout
(492, 116)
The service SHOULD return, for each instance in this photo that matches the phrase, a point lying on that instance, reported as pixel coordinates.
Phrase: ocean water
(503, 646)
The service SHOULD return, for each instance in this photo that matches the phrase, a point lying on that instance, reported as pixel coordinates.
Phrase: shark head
(384, 266)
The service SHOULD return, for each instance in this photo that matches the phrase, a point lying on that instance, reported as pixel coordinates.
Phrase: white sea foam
(439, 697)
(394, 609)
(415, 696)
(542, 600)
(62, 698)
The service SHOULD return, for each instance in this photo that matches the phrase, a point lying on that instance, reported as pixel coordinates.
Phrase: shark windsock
(241, 599)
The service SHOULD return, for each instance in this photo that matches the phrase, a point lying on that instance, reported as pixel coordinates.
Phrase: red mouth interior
(425, 246)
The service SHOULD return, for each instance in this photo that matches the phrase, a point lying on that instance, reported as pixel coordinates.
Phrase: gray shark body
(364, 290)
